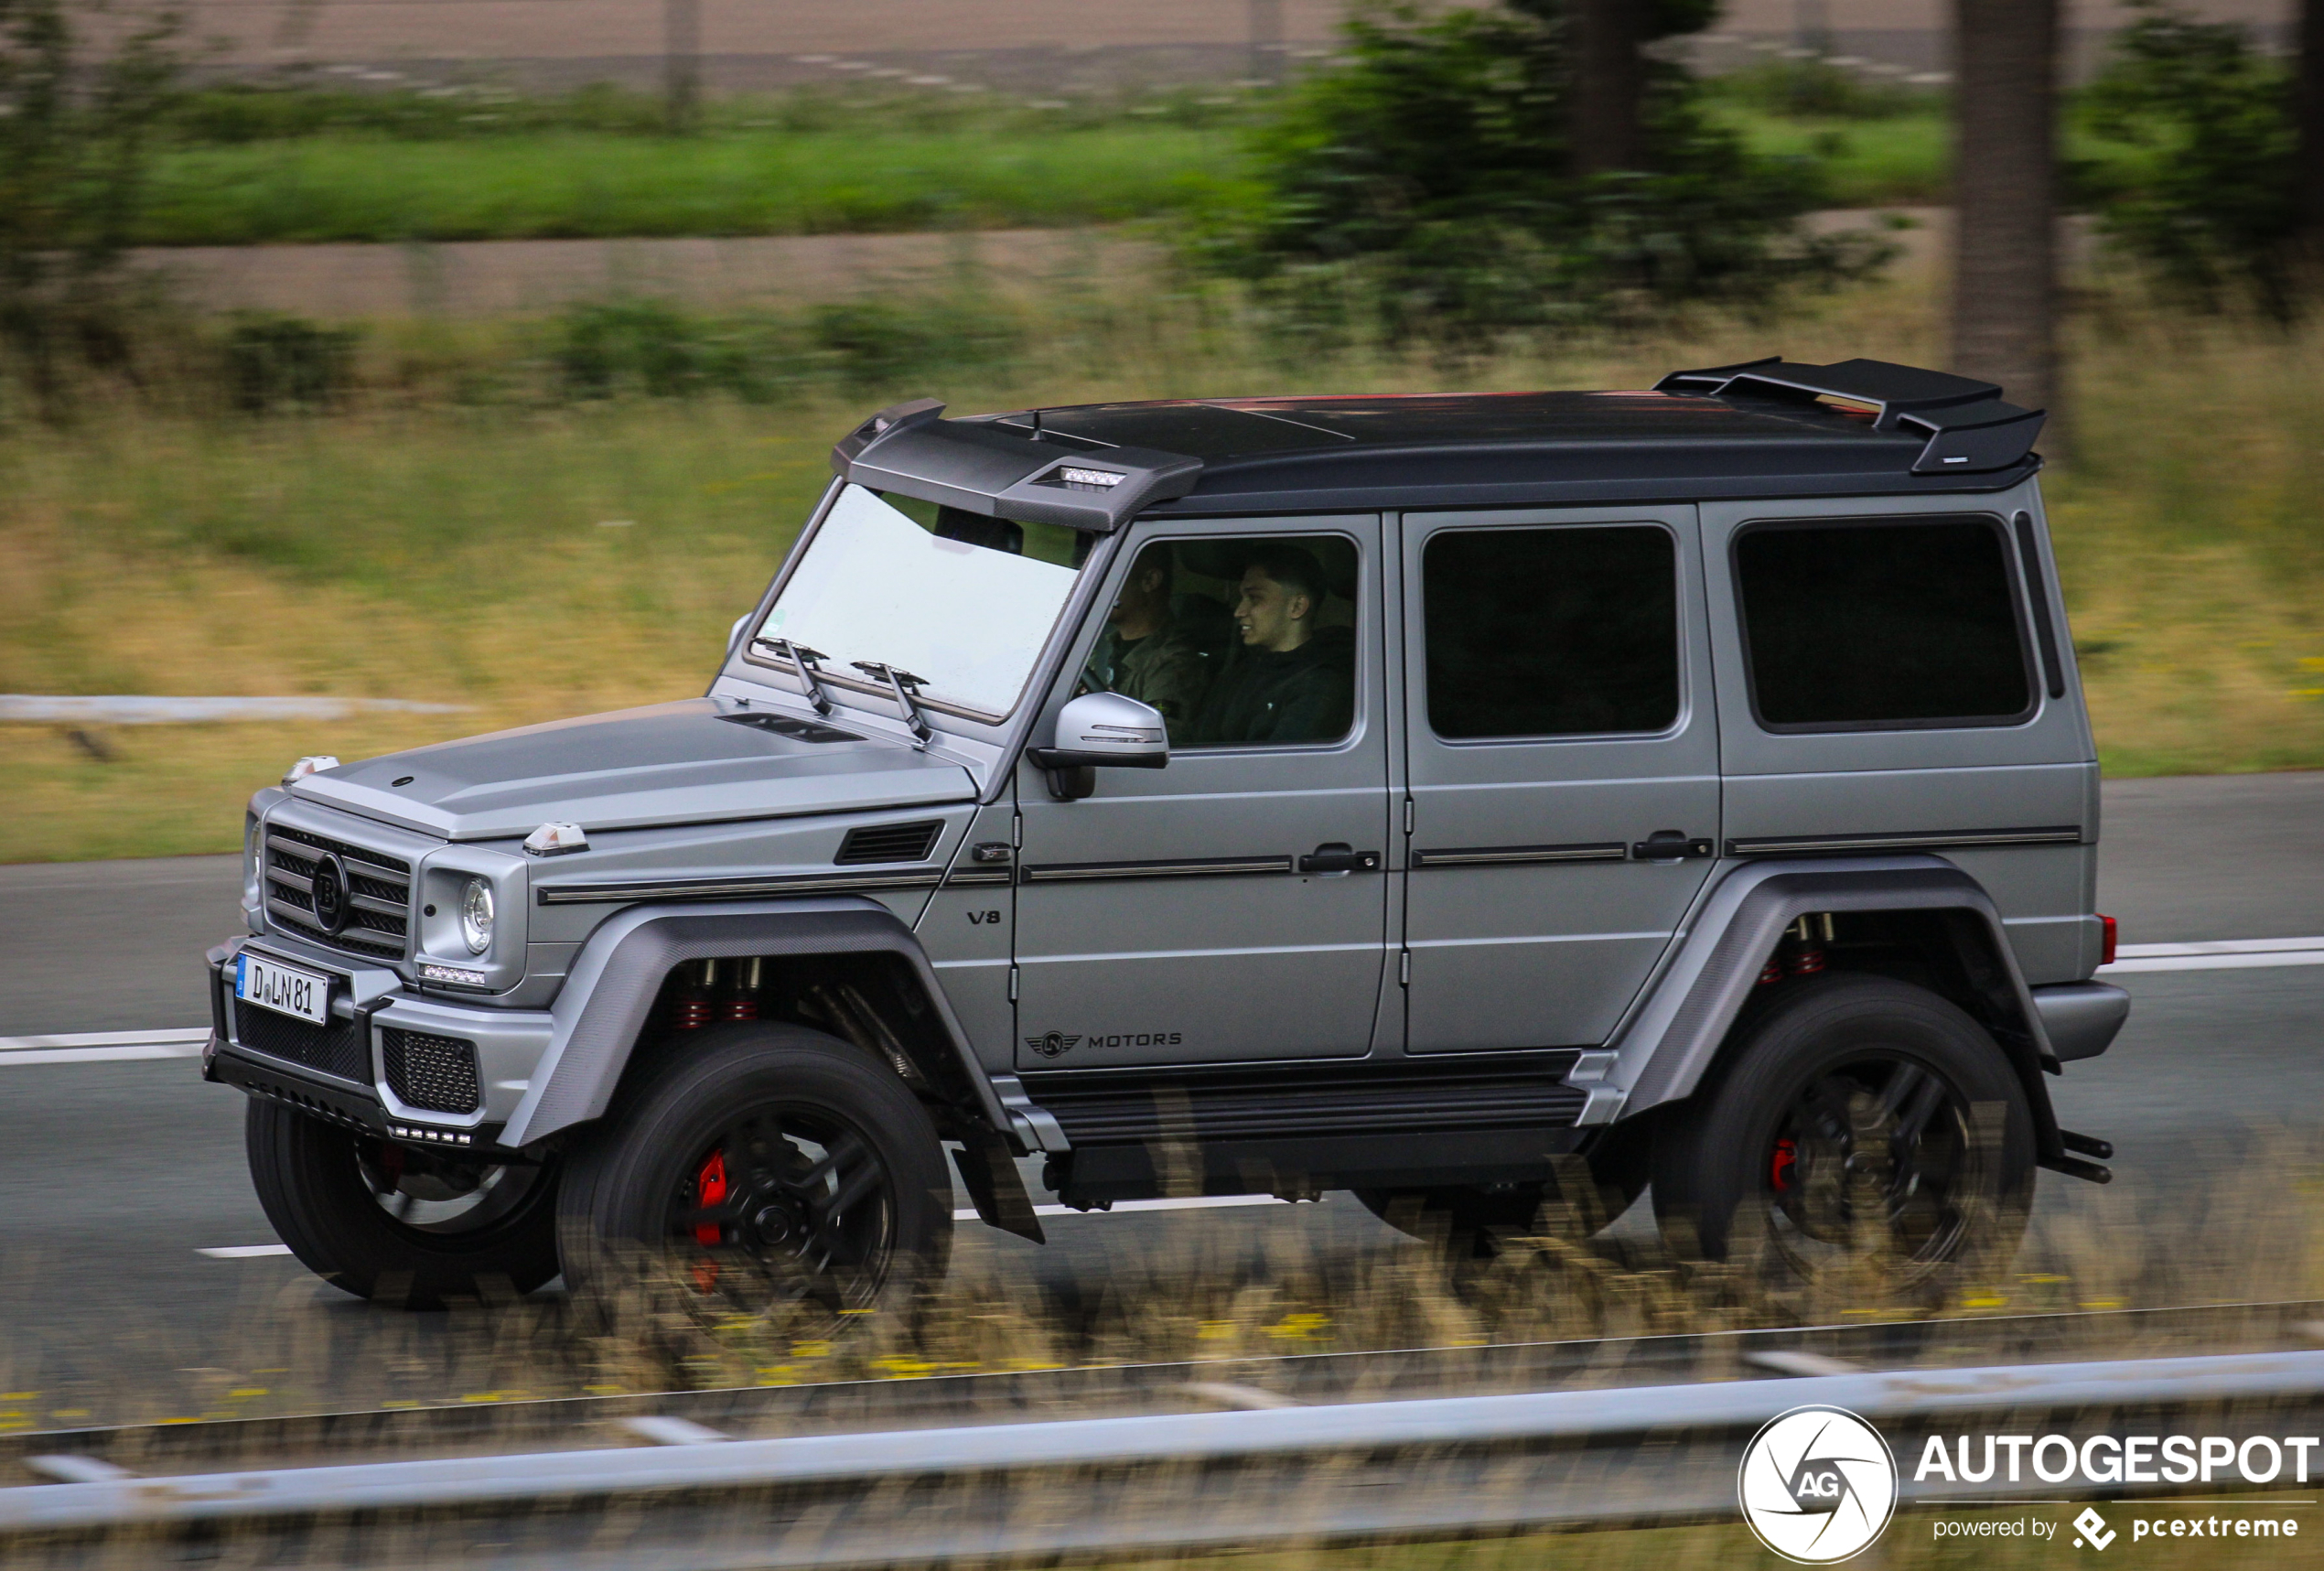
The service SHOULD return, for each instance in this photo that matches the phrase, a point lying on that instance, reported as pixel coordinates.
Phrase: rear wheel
(399, 1223)
(1866, 1122)
(771, 1171)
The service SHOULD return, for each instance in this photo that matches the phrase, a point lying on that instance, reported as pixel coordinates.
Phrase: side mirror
(1102, 731)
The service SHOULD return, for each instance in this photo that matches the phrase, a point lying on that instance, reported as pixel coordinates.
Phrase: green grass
(579, 184)
(420, 544)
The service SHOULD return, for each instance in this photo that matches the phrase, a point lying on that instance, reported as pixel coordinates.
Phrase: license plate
(270, 984)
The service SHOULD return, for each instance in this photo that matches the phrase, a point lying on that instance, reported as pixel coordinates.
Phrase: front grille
(437, 1074)
(379, 889)
(888, 843)
(337, 1049)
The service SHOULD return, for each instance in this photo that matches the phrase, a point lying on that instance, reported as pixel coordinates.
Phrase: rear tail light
(2106, 948)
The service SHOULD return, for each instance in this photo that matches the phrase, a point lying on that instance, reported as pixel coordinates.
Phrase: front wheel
(400, 1224)
(1864, 1123)
(770, 1171)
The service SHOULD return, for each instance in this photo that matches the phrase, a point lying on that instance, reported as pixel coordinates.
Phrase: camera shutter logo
(1817, 1485)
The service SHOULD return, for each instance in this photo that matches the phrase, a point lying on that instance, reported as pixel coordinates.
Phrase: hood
(702, 761)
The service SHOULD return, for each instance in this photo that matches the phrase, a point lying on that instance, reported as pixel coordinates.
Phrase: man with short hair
(1291, 680)
(1143, 653)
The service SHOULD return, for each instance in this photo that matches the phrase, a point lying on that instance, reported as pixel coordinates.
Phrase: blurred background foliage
(561, 509)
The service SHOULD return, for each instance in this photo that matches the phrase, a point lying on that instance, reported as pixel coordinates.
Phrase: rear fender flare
(602, 1010)
(1670, 1042)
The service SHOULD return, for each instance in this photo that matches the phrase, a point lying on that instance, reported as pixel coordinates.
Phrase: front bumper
(340, 1071)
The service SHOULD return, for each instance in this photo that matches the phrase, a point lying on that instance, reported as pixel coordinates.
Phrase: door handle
(1668, 845)
(1339, 857)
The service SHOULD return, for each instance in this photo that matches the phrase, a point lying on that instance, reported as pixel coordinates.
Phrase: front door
(1231, 906)
(1560, 720)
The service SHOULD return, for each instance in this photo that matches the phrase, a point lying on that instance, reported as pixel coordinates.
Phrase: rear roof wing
(1969, 427)
(1008, 471)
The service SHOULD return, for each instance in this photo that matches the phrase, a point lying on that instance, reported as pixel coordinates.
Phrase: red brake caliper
(1787, 1157)
(711, 1187)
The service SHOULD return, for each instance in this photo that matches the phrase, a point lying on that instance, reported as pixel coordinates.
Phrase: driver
(1144, 653)
(1293, 681)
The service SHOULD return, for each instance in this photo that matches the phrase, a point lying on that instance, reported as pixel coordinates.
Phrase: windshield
(961, 601)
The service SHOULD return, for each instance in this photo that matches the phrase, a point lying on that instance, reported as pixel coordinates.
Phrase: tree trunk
(1608, 85)
(2309, 173)
(2004, 291)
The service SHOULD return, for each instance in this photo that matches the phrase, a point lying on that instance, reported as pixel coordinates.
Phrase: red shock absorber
(742, 1004)
(1771, 973)
(1806, 963)
(692, 1008)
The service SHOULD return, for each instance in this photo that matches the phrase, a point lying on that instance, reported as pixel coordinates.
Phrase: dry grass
(418, 547)
(1192, 1287)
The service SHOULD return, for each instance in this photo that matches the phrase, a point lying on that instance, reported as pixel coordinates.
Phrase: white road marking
(102, 1047)
(1198, 1202)
(2218, 954)
(1192, 1203)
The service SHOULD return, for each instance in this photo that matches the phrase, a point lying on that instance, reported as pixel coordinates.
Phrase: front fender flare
(614, 980)
(1671, 1041)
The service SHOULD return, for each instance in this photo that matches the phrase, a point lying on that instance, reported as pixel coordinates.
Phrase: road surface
(114, 1175)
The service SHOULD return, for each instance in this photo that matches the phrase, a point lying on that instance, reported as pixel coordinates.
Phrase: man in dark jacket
(1291, 682)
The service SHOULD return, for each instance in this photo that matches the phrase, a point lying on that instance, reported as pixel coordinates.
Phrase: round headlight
(476, 916)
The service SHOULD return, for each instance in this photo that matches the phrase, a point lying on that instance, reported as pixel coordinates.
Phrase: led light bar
(1077, 477)
(453, 973)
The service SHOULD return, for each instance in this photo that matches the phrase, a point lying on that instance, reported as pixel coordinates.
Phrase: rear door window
(1881, 624)
(1551, 632)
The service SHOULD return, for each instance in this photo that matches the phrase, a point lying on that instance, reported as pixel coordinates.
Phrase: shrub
(76, 138)
(1421, 189)
(661, 350)
(282, 362)
(2208, 206)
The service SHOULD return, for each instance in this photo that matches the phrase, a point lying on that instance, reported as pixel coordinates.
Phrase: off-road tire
(1720, 1183)
(310, 1180)
(630, 1175)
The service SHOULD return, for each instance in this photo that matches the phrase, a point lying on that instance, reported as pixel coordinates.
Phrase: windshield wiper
(902, 684)
(806, 659)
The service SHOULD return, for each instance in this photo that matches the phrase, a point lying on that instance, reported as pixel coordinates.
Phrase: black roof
(1767, 428)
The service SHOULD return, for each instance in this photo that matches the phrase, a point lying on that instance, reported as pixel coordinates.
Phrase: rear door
(1560, 716)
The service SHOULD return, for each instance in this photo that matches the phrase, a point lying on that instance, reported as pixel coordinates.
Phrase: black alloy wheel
(763, 1170)
(1863, 1120)
(397, 1223)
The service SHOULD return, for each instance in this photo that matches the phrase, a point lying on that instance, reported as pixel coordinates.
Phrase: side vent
(888, 843)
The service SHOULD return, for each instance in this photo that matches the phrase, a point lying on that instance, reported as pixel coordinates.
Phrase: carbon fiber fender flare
(611, 987)
(1673, 1039)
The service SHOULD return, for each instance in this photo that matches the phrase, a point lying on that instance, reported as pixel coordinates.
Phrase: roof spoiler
(1007, 471)
(1968, 426)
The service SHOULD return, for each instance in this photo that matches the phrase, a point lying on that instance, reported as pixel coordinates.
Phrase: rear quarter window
(1881, 624)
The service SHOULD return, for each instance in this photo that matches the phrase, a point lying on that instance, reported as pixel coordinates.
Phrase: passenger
(1144, 653)
(1291, 680)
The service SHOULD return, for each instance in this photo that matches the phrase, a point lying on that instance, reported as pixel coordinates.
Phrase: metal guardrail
(1123, 1486)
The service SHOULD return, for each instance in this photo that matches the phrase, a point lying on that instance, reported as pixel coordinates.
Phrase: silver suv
(1457, 799)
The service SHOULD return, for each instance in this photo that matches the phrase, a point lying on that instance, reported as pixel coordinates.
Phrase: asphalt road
(113, 1175)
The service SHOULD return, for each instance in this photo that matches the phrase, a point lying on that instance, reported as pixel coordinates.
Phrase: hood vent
(888, 843)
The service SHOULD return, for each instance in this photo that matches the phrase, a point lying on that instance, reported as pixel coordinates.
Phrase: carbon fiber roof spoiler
(1008, 471)
(1968, 426)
